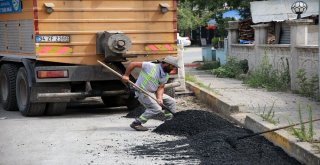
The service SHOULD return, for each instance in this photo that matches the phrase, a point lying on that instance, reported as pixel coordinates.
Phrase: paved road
(192, 54)
(88, 135)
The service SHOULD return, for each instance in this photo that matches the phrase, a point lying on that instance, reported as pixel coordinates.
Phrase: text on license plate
(53, 38)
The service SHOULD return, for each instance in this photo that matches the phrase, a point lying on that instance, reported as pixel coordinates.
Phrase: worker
(152, 79)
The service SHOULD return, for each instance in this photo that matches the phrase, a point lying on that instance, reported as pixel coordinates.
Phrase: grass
(269, 115)
(193, 79)
(209, 65)
(302, 133)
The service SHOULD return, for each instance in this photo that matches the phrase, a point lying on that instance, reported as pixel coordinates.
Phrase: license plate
(53, 38)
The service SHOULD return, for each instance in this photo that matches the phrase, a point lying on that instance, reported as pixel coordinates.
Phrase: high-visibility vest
(149, 77)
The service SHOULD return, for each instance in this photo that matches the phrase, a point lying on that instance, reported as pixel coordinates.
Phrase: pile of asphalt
(205, 142)
(136, 112)
(192, 122)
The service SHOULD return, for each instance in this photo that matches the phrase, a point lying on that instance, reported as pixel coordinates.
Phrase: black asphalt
(205, 141)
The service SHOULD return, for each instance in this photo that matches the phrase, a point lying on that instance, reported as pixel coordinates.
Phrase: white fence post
(181, 72)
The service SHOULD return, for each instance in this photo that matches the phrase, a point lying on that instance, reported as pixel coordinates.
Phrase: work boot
(138, 127)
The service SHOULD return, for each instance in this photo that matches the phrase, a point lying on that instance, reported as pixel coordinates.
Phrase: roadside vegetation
(264, 76)
(209, 65)
(191, 78)
(304, 133)
(268, 115)
(267, 77)
(308, 87)
(232, 69)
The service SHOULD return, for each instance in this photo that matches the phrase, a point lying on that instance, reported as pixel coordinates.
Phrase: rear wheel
(23, 96)
(56, 108)
(8, 73)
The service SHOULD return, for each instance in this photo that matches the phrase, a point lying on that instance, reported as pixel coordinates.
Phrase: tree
(190, 18)
(193, 14)
(216, 6)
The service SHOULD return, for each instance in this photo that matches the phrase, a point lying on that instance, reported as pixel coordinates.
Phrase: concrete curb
(216, 102)
(281, 138)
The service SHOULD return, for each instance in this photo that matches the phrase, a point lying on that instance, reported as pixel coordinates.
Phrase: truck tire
(23, 96)
(56, 108)
(8, 74)
(170, 91)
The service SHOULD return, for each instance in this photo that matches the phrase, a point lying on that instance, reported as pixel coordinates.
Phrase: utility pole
(319, 48)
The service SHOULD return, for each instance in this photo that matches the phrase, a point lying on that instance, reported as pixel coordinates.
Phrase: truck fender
(29, 65)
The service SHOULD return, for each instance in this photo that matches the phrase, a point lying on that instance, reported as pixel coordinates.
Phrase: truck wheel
(23, 96)
(8, 73)
(170, 91)
(56, 108)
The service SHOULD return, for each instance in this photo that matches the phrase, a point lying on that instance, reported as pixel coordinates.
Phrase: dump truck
(49, 50)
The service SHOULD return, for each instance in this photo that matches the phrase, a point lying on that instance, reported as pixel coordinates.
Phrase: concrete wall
(313, 31)
(302, 52)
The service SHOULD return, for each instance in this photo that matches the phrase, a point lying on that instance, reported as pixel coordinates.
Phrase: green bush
(308, 87)
(266, 77)
(209, 65)
(215, 41)
(232, 68)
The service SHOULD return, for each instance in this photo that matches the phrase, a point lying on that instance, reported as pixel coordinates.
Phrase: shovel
(134, 85)
(233, 141)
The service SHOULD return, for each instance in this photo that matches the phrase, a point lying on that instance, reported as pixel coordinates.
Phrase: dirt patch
(205, 142)
(190, 102)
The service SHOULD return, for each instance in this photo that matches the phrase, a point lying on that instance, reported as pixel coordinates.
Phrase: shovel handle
(276, 129)
(134, 85)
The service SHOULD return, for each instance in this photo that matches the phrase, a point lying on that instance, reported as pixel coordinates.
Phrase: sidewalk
(245, 105)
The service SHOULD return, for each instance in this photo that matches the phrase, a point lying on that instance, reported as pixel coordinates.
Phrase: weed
(190, 78)
(209, 65)
(232, 68)
(193, 79)
(266, 77)
(308, 87)
(301, 132)
(269, 116)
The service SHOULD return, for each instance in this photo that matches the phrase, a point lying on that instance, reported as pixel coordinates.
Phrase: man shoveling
(152, 79)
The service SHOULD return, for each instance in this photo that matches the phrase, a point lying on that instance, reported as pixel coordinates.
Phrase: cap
(171, 60)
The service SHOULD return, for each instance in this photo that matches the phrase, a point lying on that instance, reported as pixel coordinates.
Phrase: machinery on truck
(49, 49)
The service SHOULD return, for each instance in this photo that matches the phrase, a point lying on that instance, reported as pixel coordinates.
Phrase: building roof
(279, 10)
